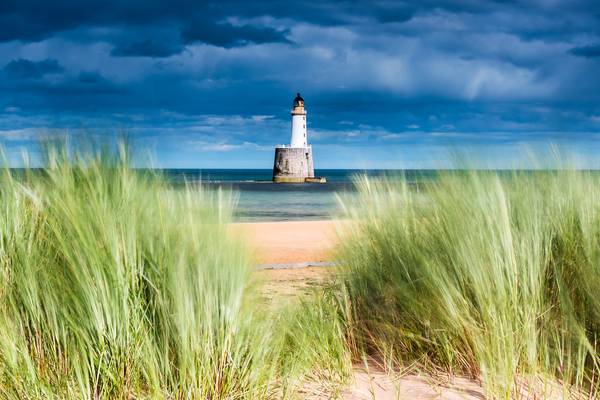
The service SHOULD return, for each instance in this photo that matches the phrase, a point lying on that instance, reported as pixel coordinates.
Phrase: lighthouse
(298, 123)
(294, 162)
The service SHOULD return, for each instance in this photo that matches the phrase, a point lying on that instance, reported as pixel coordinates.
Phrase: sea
(259, 199)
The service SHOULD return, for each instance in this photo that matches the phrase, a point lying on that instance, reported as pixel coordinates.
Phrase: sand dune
(285, 246)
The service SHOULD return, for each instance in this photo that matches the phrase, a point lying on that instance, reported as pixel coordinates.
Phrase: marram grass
(497, 277)
(115, 286)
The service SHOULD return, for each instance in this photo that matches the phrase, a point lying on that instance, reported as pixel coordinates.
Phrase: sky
(387, 84)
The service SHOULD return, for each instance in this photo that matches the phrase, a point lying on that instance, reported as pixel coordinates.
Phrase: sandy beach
(291, 256)
(289, 242)
(288, 255)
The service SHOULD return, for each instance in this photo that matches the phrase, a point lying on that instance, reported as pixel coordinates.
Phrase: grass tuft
(492, 276)
(114, 285)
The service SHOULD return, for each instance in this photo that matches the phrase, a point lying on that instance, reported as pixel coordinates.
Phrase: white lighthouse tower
(294, 163)
(298, 123)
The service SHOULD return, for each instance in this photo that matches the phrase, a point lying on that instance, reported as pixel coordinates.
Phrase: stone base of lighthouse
(293, 165)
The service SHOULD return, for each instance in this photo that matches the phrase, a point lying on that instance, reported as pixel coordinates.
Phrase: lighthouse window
(304, 125)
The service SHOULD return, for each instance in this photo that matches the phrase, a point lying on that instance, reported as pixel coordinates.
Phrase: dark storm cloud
(147, 48)
(91, 78)
(29, 20)
(226, 35)
(30, 90)
(197, 21)
(32, 20)
(586, 51)
(378, 72)
(396, 14)
(26, 69)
